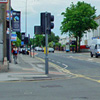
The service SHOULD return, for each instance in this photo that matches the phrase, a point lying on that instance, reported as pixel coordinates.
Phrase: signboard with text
(3, 1)
(16, 21)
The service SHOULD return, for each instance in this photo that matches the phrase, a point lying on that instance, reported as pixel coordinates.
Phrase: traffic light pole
(46, 43)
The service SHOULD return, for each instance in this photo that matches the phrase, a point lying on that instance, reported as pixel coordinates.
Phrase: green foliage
(38, 40)
(51, 44)
(58, 44)
(78, 19)
(72, 45)
(52, 37)
(18, 35)
(63, 45)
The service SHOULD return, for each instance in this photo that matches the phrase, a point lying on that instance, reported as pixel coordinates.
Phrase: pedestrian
(73, 49)
(15, 52)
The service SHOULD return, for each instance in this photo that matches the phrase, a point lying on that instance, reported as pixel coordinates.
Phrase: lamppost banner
(3, 1)
(7, 17)
(16, 21)
(13, 37)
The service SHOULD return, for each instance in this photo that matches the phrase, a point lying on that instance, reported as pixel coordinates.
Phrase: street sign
(22, 42)
(13, 37)
(3, 1)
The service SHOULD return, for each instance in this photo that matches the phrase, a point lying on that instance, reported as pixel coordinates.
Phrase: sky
(55, 7)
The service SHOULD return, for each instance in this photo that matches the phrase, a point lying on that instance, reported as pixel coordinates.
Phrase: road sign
(13, 37)
(22, 42)
(3, 1)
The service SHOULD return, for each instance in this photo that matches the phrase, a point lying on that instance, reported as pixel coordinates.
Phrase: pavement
(32, 69)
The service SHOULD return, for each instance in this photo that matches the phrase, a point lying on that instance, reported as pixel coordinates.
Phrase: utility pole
(46, 42)
(10, 31)
(33, 46)
(26, 19)
(4, 31)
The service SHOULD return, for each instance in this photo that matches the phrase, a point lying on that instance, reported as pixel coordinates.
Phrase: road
(84, 86)
(78, 64)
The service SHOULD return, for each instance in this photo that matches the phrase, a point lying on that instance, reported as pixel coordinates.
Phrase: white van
(95, 48)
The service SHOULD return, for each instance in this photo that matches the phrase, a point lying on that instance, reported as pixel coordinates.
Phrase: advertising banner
(13, 37)
(16, 21)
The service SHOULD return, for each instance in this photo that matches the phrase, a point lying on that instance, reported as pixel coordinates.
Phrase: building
(63, 40)
(92, 34)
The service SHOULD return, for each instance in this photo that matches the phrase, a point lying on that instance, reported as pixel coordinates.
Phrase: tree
(78, 19)
(51, 44)
(38, 40)
(52, 37)
(18, 35)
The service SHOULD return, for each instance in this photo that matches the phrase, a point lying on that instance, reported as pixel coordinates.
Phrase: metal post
(26, 18)
(33, 46)
(46, 42)
(10, 31)
(26, 23)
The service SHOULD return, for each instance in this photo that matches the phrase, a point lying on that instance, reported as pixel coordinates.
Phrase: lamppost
(26, 18)
(10, 31)
(33, 46)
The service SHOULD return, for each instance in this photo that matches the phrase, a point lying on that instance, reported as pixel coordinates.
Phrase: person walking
(15, 52)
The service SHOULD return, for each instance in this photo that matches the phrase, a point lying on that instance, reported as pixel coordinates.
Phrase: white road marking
(71, 56)
(52, 60)
(90, 59)
(65, 66)
(58, 62)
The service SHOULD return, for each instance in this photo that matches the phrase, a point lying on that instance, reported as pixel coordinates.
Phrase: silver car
(51, 50)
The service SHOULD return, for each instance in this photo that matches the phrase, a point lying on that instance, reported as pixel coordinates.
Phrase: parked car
(27, 51)
(95, 48)
(40, 49)
(24, 51)
(36, 48)
(20, 50)
(51, 50)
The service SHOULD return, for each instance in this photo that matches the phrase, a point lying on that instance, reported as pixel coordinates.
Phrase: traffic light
(37, 30)
(46, 22)
(43, 22)
(50, 24)
(26, 40)
(22, 36)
